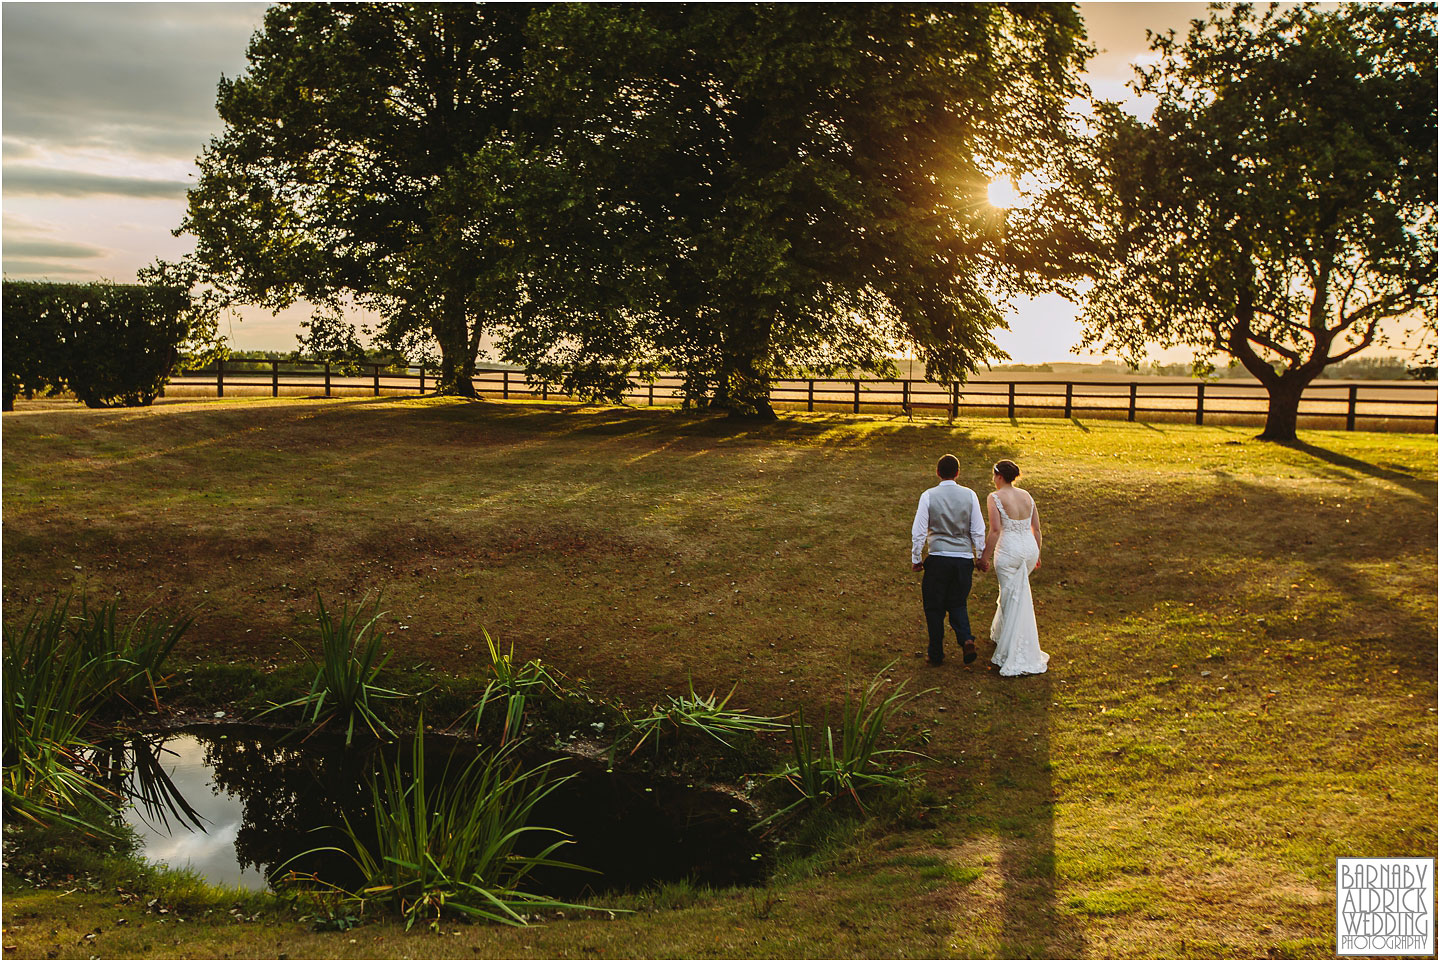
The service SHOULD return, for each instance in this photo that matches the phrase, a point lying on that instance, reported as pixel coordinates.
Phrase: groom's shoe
(970, 652)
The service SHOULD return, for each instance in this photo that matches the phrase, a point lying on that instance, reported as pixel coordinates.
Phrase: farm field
(1242, 640)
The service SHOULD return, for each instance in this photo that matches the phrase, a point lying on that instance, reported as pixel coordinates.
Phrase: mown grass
(1242, 638)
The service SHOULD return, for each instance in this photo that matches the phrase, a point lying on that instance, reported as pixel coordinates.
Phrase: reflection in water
(206, 842)
(239, 804)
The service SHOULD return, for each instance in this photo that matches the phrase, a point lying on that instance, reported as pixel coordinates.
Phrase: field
(1242, 641)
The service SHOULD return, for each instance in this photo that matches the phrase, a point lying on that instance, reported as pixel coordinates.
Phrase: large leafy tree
(1279, 207)
(740, 191)
(357, 166)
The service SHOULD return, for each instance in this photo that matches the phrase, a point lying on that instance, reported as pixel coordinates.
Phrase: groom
(949, 516)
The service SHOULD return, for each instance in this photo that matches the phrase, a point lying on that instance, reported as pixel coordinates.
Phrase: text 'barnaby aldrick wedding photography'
(1384, 906)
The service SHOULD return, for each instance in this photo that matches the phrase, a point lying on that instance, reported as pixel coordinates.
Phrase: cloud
(46, 182)
(36, 247)
(134, 78)
(32, 270)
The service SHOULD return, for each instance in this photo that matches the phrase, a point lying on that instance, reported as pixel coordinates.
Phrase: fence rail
(1401, 406)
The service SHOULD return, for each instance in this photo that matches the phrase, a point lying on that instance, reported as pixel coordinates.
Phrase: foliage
(1280, 205)
(453, 845)
(110, 344)
(854, 765)
(51, 692)
(516, 684)
(738, 191)
(350, 660)
(341, 176)
(702, 713)
(127, 659)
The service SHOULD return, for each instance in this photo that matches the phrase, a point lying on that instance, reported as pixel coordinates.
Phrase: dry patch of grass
(1242, 640)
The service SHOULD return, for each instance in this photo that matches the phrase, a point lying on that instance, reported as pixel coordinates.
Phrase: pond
(237, 803)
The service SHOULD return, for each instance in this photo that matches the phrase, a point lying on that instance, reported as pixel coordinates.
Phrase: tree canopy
(346, 168)
(747, 190)
(732, 191)
(1280, 204)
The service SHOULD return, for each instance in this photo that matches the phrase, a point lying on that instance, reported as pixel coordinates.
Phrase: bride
(1012, 547)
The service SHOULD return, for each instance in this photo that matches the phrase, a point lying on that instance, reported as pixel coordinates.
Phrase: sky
(104, 107)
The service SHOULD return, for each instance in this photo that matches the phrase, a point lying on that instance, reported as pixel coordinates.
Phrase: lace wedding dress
(1017, 639)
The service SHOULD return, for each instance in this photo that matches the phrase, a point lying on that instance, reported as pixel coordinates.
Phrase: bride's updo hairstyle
(1008, 470)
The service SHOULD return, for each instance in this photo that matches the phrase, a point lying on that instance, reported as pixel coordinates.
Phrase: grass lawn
(1242, 641)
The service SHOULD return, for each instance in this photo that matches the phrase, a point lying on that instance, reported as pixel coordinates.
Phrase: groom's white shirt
(949, 517)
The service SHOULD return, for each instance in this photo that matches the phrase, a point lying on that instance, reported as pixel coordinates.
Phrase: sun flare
(1003, 194)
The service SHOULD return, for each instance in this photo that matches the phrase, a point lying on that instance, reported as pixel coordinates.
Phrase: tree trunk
(749, 396)
(1284, 408)
(744, 389)
(457, 359)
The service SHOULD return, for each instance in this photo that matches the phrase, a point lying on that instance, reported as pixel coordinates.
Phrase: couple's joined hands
(980, 565)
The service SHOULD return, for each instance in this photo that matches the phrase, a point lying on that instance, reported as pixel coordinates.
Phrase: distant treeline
(1355, 369)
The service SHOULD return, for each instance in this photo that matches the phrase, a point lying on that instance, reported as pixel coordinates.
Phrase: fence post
(1133, 386)
(652, 394)
(274, 378)
(1069, 395)
(857, 395)
(327, 378)
(505, 385)
(1350, 412)
(1200, 403)
(1010, 410)
(905, 395)
(220, 377)
(422, 379)
(954, 400)
(544, 390)
(377, 380)
(810, 396)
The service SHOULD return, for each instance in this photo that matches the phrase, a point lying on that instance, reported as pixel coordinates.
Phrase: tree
(347, 170)
(1280, 204)
(740, 191)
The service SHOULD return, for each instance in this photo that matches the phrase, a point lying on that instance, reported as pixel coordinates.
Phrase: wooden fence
(1398, 406)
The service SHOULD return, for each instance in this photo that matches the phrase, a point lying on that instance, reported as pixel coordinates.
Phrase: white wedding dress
(1016, 637)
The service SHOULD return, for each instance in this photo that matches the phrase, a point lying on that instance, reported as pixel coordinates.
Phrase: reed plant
(701, 713)
(51, 691)
(127, 657)
(351, 658)
(514, 684)
(852, 761)
(451, 845)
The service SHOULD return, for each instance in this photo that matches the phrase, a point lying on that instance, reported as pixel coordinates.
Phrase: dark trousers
(945, 588)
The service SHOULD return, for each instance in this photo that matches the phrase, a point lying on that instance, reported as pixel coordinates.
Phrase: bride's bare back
(1017, 501)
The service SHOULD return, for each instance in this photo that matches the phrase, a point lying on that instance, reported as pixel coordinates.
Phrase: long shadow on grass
(1407, 481)
(1022, 810)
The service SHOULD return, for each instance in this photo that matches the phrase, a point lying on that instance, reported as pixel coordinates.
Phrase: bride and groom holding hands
(949, 518)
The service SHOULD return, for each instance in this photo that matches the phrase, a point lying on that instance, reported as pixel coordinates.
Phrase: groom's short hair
(948, 468)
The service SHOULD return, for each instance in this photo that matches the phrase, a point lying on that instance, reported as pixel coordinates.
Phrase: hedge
(112, 345)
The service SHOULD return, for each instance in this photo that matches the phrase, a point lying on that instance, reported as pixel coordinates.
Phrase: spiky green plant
(450, 845)
(351, 658)
(515, 684)
(856, 763)
(50, 693)
(703, 713)
(127, 657)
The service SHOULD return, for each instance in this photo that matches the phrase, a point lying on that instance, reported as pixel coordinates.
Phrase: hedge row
(112, 345)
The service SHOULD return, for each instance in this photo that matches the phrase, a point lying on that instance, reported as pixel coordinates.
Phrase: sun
(1003, 194)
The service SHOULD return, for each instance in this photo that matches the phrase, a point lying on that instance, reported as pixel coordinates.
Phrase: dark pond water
(236, 803)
